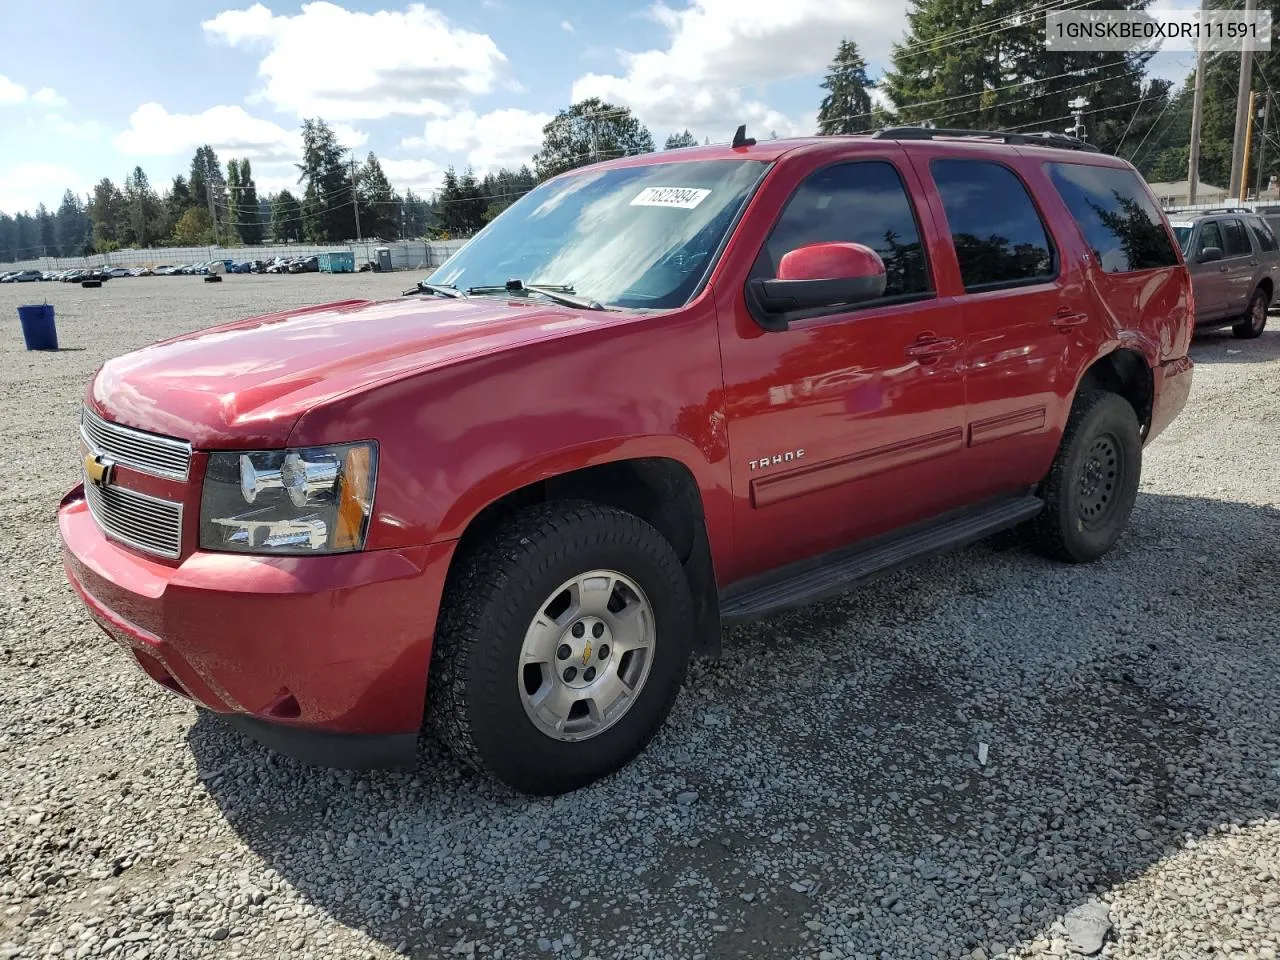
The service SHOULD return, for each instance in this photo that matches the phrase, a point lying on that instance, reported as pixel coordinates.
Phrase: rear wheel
(564, 639)
(1255, 320)
(1090, 490)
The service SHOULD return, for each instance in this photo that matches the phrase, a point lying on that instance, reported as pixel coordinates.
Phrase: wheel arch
(1125, 370)
(660, 489)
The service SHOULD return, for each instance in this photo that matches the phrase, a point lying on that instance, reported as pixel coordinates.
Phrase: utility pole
(1262, 145)
(355, 196)
(1248, 148)
(1238, 148)
(1197, 116)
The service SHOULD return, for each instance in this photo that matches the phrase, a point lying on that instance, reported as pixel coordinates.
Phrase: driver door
(849, 423)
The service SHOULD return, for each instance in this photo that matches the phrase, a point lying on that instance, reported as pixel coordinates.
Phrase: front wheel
(1090, 490)
(564, 638)
(1254, 321)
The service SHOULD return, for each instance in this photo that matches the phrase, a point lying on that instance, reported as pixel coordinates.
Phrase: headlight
(306, 501)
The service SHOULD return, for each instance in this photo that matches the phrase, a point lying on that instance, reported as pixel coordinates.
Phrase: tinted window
(1237, 241)
(1120, 222)
(1210, 236)
(998, 234)
(863, 202)
(1266, 240)
(1182, 235)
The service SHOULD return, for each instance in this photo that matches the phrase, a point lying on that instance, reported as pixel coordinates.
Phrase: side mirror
(1209, 254)
(818, 275)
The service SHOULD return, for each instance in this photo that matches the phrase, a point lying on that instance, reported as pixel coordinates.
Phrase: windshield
(1182, 235)
(638, 237)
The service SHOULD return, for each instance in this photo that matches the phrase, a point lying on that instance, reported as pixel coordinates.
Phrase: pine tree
(678, 140)
(847, 106)
(106, 213)
(45, 224)
(233, 201)
(286, 217)
(327, 200)
(71, 226)
(206, 178)
(982, 64)
(379, 205)
(143, 216)
(250, 210)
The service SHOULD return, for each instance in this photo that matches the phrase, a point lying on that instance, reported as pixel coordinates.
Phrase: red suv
(655, 395)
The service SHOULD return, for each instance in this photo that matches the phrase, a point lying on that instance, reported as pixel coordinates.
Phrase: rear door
(1026, 316)
(1240, 261)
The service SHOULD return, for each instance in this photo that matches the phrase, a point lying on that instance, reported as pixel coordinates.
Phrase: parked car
(731, 380)
(1234, 259)
(24, 276)
(117, 272)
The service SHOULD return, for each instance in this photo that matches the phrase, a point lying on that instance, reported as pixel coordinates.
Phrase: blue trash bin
(38, 329)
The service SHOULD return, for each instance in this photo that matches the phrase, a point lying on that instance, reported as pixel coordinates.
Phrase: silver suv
(1234, 257)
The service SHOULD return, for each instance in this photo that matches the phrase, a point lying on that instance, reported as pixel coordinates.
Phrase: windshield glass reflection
(639, 237)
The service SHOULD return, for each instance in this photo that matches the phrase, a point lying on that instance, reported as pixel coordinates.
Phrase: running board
(811, 580)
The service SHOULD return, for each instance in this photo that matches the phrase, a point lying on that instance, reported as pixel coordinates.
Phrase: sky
(422, 85)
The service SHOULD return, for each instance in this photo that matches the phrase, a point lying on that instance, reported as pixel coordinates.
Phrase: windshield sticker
(685, 198)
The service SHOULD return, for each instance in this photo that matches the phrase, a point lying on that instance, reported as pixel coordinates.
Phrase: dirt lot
(816, 794)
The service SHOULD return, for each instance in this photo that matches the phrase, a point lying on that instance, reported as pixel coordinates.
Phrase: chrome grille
(134, 518)
(145, 452)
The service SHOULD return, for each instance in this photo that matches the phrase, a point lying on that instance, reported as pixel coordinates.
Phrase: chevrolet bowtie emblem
(97, 469)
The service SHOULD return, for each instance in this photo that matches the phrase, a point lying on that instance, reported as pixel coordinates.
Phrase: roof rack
(1038, 139)
(1226, 210)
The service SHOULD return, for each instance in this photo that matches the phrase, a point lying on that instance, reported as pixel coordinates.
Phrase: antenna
(740, 138)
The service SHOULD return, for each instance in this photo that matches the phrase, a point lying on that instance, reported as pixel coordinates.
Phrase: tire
(481, 702)
(1090, 490)
(1254, 320)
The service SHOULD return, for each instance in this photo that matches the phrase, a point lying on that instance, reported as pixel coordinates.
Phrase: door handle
(1065, 319)
(928, 348)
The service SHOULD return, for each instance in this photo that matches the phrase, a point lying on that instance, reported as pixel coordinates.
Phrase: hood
(246, 383)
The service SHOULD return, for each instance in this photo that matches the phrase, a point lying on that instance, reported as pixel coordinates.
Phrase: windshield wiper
(440, 290)
(559, 293)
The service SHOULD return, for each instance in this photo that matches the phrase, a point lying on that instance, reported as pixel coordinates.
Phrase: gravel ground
(817, 793)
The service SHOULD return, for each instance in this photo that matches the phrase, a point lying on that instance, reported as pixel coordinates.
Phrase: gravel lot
(817, 793)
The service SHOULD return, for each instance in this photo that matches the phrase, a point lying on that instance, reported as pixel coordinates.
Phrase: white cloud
(409, 62)
(422, 176)
(25, 186)
(228, 129)
(501, 138)
(49, 97)
(349, 136)
(718, 50)
(566, 26)
(12, 93)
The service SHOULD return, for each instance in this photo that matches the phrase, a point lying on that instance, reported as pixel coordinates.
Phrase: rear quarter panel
(1146, 311)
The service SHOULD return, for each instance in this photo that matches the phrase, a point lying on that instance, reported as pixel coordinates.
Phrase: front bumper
(323, 658)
